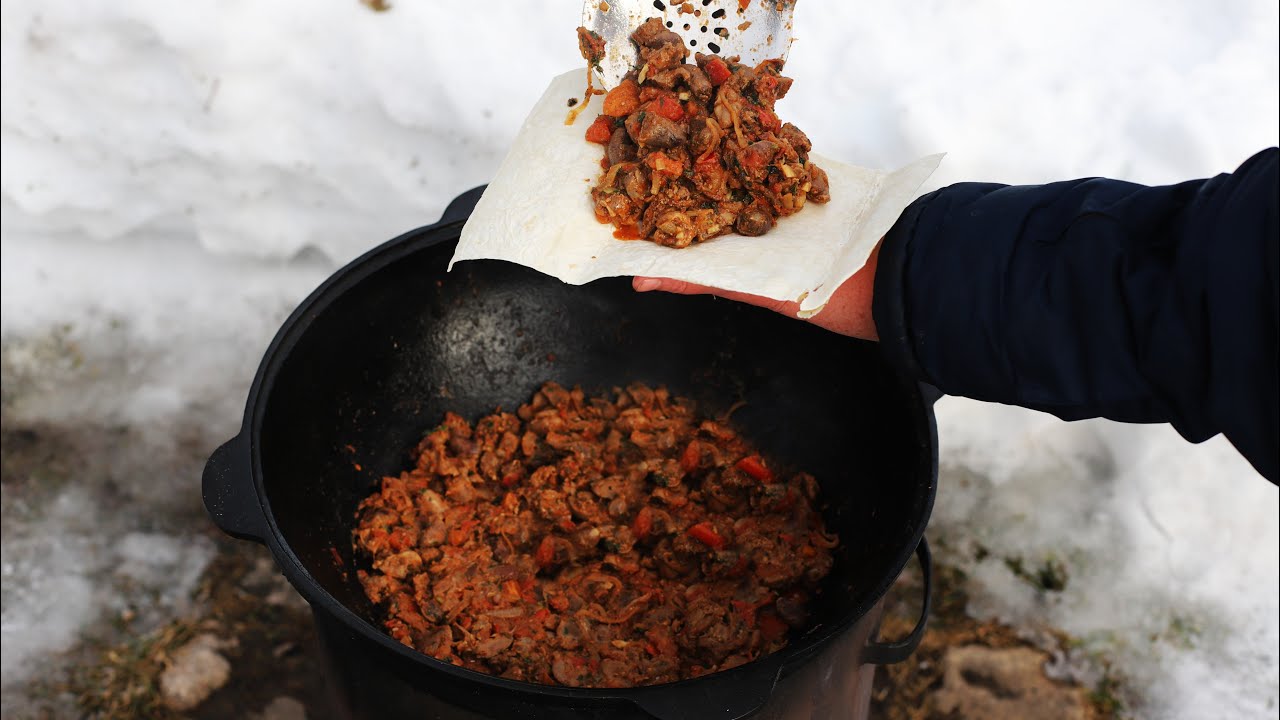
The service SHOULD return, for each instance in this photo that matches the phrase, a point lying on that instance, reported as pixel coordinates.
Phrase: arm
(1096, 298)
(1088, 298)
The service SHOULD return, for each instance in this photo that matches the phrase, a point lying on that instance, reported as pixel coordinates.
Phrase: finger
(681, 287)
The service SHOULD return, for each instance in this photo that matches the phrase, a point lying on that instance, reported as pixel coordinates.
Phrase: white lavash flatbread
(537, 212)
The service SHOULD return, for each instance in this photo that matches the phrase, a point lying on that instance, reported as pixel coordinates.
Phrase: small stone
(261, 575)
(282, 708)
(283, 649)
(1004, 684)
(195, 671)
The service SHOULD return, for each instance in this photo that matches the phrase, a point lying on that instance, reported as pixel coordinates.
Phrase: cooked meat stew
(593, 542)
(696, 151)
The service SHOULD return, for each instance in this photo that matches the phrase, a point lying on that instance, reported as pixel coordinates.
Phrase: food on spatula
(694, 151)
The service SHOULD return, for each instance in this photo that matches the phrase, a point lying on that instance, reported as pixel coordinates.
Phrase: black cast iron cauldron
(375, 356)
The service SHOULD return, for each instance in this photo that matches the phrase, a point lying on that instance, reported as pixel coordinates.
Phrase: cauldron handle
(460, 207)
(878, 653)
(229, 495)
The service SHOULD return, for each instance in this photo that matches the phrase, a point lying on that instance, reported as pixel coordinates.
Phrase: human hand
(848, 312)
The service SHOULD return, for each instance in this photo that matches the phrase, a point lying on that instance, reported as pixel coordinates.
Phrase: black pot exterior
(376, 355)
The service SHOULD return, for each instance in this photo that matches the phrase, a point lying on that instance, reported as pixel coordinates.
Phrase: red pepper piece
(753, 465)
(601, 130)
(668, 107)
(717, 71)
(643, 524)
(546, 552)
(707, 535)
(771, 626)
(692, 456)
(768, 120)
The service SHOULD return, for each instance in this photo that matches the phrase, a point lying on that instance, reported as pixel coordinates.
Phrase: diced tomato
(624, 232)
(768, 120)
(692, 455)
(748, 610)
(559, 602)
(651, 648)
(546, 552)
(623, 99)
(707, 535)
(767, 85)
(753, 465)
(661, 163)
(400, 539)
(668, 107)
(771, 626)
(510, 479)
(742, 4)
(541, 614)
(717, 71)
(601, 130)
(458, 535)
(643, 524)
(706, 163)
(752, 159)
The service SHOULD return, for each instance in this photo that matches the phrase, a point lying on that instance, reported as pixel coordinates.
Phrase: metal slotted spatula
(755, 30)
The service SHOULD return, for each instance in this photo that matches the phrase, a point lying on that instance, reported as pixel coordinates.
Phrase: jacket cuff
(889, 299)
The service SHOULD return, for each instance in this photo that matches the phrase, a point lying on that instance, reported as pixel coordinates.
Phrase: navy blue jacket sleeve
(1097, 298)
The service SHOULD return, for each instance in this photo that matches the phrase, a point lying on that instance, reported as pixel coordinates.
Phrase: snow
(59, 576)
(175, 177)
(1169, 549)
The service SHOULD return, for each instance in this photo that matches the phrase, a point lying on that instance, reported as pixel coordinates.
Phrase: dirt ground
(937, 683)
(245, 645)
(272, 654)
